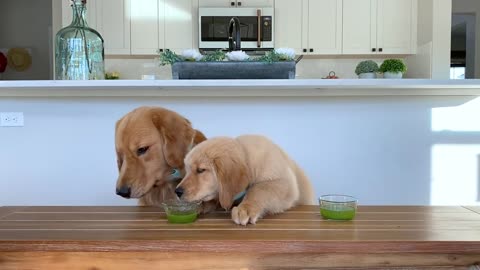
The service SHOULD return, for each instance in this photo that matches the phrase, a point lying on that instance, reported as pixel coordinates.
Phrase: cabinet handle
(374, 50)
(311, 50)
(304, 50)
(239, 3)
(380, 50)
(232, 4)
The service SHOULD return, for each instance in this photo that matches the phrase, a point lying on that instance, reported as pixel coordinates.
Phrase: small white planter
(392, 75)
(370, 75)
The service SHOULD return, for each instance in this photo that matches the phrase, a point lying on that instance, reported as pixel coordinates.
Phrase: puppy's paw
(244, 214)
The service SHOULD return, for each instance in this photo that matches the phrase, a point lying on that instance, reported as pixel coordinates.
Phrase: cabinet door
(217, 3)
(145, 23)
(359, 27)
(179, 25)
(67, 14)
(259, 3)
(324, 26)
(113, 23)
(394, 22)
(288, 25)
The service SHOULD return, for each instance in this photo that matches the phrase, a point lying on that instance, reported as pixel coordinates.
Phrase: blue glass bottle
(79, 49)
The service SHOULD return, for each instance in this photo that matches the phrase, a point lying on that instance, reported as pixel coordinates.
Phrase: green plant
(168, 57)
(367, 66)
(270, 57)
(214, 57)
(393, 65)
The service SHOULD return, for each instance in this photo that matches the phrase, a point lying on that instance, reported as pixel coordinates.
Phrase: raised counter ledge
(240, 88)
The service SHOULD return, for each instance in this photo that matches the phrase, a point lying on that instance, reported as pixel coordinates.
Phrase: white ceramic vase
(392, 75)
(369, 75)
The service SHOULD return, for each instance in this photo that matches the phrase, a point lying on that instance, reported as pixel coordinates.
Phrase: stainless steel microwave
(256, 27)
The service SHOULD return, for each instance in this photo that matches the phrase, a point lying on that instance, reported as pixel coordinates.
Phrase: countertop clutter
(416, 237)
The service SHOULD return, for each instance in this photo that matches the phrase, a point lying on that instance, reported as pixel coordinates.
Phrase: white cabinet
(359, 26)
(236, 3)
(67, 14)
(144, 23)
(379, 26)
(396, 26)
(179, 21)
(309, 26)
(113, 23)
(324, 29)
(162, 24)
(288, 25)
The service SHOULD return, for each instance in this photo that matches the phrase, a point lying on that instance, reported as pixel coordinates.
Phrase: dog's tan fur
(169, 137)
(223, 167)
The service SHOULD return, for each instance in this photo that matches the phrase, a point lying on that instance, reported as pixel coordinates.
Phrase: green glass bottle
(79, 49)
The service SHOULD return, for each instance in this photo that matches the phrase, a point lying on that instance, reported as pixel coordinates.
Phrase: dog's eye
(200, 170)
(142, 150)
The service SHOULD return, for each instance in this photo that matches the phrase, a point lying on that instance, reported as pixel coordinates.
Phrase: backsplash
(307, 68)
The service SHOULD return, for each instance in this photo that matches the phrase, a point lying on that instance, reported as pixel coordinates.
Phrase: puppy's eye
(142, 150)
(200, 170)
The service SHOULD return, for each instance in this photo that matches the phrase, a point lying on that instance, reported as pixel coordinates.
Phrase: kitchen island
(386, 142)
(240, 88)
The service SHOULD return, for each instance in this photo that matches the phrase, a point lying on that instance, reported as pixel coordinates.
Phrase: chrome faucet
(234, 37)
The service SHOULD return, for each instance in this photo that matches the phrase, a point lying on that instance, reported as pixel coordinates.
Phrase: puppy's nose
(124, 191)
(179, 192)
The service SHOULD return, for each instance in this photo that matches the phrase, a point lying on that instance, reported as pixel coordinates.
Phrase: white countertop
(244, 88)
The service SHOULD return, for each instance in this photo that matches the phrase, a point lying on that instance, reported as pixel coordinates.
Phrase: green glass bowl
(338, 207)
(181, 212)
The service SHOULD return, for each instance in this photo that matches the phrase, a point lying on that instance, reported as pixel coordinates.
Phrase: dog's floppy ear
(232, 177)
(177, 134)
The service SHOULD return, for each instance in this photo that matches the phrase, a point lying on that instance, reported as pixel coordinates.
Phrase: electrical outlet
(11, 119)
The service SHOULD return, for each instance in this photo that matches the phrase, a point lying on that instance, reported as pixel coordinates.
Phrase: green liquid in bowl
(338, 213)
(179, 217)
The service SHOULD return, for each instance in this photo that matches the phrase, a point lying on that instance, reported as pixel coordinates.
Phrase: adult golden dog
(151, 144)
(227, 168)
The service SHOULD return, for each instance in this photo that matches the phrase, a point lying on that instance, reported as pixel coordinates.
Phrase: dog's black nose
(124, 191)
(179, 192)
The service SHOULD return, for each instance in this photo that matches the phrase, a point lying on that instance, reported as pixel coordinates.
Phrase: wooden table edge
(273, 246)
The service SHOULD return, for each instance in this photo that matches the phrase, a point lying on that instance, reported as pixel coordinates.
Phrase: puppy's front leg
(273, 196)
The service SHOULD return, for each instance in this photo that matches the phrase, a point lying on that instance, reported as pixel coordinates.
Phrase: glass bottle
(79, 49)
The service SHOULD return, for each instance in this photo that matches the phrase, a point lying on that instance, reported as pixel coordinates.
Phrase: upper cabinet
(288, 24)
(179, 20)
(162, 24)
(379, 26)
(309, 26)
(146, 26)
(113, 23)
(324, 29)
(235, 3)
(396, 26)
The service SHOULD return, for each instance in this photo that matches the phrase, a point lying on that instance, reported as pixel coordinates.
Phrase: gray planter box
(233, 70)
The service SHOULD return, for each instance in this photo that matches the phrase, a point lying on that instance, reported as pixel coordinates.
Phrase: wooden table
(121, 238)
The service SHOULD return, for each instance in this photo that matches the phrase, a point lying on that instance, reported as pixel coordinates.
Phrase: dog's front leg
(273, 196)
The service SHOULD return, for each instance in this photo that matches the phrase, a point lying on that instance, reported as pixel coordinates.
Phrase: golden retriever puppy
(251, 166)
(151, 144)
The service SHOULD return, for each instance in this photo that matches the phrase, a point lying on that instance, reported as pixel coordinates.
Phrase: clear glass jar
(79, 49)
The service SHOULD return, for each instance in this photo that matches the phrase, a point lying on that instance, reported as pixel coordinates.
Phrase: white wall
(397, 150)
(471, 7)
(26, 24)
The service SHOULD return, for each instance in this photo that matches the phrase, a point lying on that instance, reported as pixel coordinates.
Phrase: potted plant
(393, 68)
(367, 69)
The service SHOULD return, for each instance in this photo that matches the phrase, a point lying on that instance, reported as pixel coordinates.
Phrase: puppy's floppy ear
(232, 177)
(177, 134)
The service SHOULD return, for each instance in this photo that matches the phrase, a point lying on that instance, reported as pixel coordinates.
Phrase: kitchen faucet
(234, 37)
